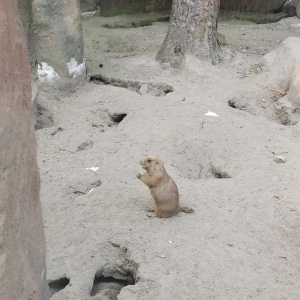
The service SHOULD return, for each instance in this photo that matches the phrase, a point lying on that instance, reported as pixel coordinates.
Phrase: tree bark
(192, 29)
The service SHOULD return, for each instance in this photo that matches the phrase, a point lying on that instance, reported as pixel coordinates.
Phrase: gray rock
(59, 43)
(284, 60)
(284, 63)
(252, 6)
(289, 7)
(144, 89)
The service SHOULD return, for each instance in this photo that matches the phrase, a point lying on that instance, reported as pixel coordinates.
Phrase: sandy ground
(242, 241)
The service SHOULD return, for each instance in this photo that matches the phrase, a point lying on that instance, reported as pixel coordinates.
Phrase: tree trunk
(192, 29)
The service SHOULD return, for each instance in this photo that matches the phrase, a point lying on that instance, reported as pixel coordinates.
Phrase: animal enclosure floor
(242, 241)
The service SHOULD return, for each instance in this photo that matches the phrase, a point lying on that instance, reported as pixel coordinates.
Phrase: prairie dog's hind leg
(150, 209)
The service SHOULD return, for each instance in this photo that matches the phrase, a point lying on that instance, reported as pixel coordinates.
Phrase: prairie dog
(162, 187)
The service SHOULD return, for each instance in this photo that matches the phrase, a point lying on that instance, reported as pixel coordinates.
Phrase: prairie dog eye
(149, 160)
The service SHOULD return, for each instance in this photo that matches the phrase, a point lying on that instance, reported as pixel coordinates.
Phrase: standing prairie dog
(162, 187)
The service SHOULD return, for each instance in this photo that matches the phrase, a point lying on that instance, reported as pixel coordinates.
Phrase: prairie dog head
(152, 164)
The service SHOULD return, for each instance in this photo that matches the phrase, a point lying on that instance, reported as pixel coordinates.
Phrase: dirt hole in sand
(277, 108)
(194, 164)
(150, 88)
(43, 117)
(218, 173)
(240, 104)
(117, 117)
(141, 23)
(202, 170)
(57, 285)
(109, 287)
(118, 271)
(232, 103)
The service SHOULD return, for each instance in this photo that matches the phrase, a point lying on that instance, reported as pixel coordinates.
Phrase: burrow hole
(57, 285)
(119, 271)
(233, 104)
(117, 117)
(109, 287)
(193, 164)
(142, 88)
(276, 106)
(108, 119)
(141, 23)
(239, 104)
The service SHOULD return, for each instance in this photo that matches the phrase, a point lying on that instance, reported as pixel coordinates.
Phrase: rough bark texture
(25, 8)
(192, 29)
(59, 43)
(22, 242)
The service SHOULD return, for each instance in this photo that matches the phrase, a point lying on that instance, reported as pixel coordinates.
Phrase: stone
(59, 44)
(298, 9)
(289, 7)
(279, 159)
(284, 60)
(284, 63)
(143, 89)
(22, 240)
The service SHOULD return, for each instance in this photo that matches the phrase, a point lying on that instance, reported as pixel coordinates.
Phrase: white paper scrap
(211, 114)
(92, 169)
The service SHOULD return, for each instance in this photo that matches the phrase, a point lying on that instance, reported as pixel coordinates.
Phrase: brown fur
(162, 187)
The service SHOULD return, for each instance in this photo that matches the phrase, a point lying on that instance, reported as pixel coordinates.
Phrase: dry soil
(242, 241)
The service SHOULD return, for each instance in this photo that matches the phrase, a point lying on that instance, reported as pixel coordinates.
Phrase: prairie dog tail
(185, 209)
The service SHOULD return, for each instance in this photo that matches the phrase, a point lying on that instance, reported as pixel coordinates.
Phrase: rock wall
(22, 241)
(109, 7)
(117, 6)
(284, 63)
(59, 55)
(261, 6)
